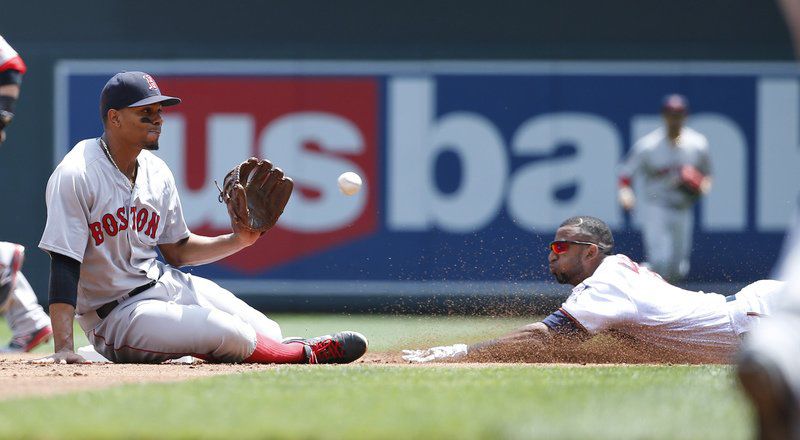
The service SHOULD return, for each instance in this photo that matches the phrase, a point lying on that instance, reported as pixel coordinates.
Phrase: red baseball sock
(269, 351)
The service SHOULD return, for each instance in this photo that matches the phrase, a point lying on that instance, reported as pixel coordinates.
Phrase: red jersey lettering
(141, 219)
(152, 226)
(123, 219)
(110, 225)
(97, 233)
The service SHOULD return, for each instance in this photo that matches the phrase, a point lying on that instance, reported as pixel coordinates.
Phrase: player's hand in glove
(691, 180)
(256, 194)
(446, 352)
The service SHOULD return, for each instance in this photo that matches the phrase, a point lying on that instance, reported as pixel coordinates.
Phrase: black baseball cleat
(339, 348)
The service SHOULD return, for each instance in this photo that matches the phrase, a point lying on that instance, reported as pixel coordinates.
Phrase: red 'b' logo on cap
(151, 83)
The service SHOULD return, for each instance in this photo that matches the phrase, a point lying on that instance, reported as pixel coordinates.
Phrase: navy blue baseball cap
(675, 103)
(132, 89)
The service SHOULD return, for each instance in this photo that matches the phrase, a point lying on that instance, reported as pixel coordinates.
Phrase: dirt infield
(21, 379)
(18, 378)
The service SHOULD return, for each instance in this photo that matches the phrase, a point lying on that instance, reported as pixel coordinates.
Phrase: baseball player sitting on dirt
(110, 203)
(645, 318)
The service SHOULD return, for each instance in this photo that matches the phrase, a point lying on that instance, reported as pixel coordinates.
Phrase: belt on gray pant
(108, 307)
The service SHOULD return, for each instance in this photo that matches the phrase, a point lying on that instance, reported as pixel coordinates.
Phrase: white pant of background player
(667, 234)
(21, 308)
(181, 315)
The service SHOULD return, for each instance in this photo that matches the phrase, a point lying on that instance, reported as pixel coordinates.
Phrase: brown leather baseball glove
(256, 194)
(691, 180)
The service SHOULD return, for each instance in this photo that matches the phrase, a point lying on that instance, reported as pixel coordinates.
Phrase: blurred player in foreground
(616, 296)
(30, 326)
(769, 364)
(110, 203)
(675, 166)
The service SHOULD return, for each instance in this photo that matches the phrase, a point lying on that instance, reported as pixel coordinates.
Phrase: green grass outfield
(386, 401)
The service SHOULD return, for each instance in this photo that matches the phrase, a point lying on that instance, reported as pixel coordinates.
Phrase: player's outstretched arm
(61, 316)
(255, 194)
(531, 343)
(198, 249)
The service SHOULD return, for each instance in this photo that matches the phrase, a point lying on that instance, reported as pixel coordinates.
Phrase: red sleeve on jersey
(15, 63)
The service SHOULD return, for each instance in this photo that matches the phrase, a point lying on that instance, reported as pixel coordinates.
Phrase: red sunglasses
(562, 246)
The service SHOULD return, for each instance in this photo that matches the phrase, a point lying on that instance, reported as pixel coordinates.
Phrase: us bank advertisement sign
(468, 167)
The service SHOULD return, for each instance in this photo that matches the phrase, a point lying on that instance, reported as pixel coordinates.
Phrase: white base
(90, 354)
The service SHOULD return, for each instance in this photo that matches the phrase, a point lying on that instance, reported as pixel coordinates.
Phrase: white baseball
(349, 183)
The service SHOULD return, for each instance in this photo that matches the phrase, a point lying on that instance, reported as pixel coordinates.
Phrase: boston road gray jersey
(94, 217)
(655, 160)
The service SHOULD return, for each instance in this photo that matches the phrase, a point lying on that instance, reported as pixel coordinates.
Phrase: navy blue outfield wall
(256, 34)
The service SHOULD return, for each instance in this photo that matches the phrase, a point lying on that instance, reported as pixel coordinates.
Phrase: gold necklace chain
(111, 158)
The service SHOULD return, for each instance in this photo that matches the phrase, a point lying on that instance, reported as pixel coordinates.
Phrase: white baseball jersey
(630, 299)
(655, 158)
(9, 58)
(94, 217)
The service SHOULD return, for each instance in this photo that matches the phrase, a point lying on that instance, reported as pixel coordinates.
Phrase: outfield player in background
(30, 326)
(615, 296)
(110, 203)
(674, 165)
